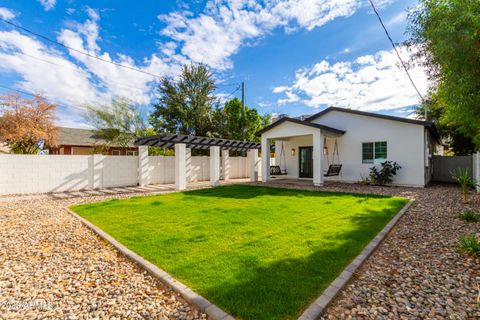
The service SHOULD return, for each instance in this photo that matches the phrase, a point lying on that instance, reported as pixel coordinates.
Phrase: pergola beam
(168, 140)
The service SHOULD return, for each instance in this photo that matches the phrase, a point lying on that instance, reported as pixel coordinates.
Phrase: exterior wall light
(292, 152)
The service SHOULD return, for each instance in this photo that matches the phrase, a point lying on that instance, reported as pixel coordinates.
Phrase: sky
(296, 57)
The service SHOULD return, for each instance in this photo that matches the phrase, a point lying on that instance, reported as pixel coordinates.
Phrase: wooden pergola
(183, 145)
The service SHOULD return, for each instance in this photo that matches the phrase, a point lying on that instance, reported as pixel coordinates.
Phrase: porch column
(215, 165)
(317, 158)
(265, 159)
(226, 164)
(180, 167)
(253, 164)
(142, 166)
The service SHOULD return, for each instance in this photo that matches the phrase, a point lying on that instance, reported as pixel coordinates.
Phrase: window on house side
(115, 152)
(380, 151)
(367, 152)
(374, 152)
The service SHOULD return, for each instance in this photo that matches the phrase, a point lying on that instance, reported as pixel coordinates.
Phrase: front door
(305, 159)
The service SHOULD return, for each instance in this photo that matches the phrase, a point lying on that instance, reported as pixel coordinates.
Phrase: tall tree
(26, 124)
(230, 123)
(118, 123)
(186, 105)
(446, 34)
(458, 143)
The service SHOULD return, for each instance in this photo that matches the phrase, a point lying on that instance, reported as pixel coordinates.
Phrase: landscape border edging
(212, 310)
(317, 308)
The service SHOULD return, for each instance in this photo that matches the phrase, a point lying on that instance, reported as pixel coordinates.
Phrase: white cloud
(213, 36)
(48, 4)
(6, 13)
(118, 81)
(398, 18)
(372, 82)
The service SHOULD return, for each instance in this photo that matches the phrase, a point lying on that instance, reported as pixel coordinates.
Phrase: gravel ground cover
(416, 273)
(52, 267)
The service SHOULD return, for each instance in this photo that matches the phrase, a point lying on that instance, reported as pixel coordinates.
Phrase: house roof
(428, 124)
(80, 137)
(305, 123)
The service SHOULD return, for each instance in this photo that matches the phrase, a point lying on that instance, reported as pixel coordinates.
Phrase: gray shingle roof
(80, 137)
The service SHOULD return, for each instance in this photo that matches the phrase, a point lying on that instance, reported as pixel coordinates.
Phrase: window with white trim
(131, 153)
(374, 152)
(115, 152)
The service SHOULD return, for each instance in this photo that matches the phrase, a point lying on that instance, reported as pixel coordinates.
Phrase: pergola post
(265, 159)
(317, 158)
(476, 169)
(215, 165)
(188, 164)
(142, 166)
(226, 164)
(180, 167)
(253, 164)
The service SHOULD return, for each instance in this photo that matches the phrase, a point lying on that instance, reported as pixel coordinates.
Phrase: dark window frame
(371, 149)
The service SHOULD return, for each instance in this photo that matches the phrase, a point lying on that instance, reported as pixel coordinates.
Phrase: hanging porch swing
(334, 169)
(276, 170)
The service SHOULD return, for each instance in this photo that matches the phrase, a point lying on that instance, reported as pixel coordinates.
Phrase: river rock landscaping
(52, 267)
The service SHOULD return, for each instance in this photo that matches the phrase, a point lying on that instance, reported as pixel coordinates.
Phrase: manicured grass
(257, 252)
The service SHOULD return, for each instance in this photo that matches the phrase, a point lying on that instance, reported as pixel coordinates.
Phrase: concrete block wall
(56, 173)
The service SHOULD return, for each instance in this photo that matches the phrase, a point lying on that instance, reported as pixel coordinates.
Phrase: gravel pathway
(52, 267)
(417, 272)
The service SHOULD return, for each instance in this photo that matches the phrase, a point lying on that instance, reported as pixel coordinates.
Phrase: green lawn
(257, 252)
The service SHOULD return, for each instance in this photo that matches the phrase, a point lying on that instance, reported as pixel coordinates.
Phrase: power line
(227, 84)
(238, 88)
(396, 50)
(79, 51)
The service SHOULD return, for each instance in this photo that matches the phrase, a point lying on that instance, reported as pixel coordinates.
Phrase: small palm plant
(469, 244)
(470, 216)
(462, 176)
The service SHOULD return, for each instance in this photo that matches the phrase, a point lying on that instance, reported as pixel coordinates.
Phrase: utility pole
(243, 110)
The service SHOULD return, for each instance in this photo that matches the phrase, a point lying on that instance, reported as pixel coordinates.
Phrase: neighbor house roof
(305, 123)
(80, 137)
(428, 124)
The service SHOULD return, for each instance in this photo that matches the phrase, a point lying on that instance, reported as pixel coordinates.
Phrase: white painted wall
(405, 145)
(55, 173)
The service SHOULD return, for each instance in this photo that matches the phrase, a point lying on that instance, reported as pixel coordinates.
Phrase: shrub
(385, 174)
(469, 244)
(469, 215)
(462, 176)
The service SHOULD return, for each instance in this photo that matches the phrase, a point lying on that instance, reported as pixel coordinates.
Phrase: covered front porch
(301, 150)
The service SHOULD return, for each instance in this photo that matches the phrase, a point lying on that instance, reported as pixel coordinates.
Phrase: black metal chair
(333, 170)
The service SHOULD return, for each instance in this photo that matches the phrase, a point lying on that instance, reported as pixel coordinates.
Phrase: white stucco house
(305, 149)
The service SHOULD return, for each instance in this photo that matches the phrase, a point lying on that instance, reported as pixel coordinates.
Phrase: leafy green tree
(458, 143)
(118, 123)
(186, 106)
(230, 123)
(446, 35)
